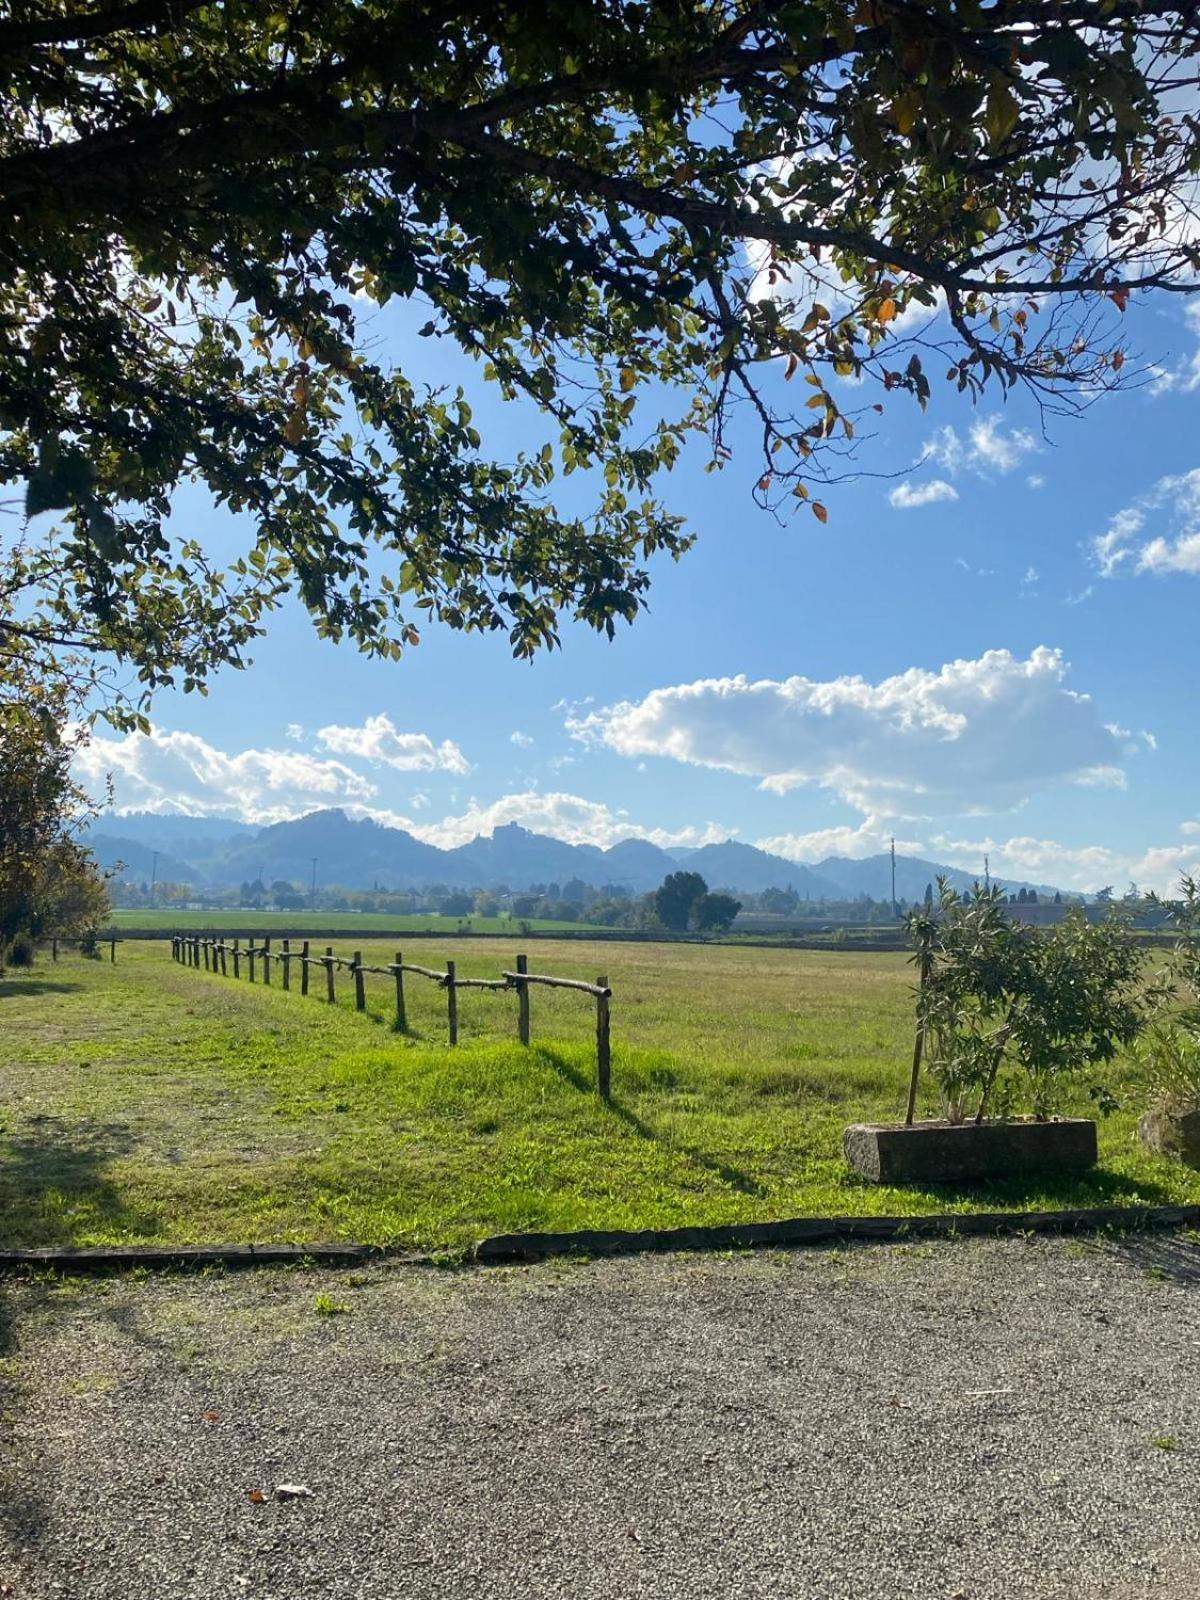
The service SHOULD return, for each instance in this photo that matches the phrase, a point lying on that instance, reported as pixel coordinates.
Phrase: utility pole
(153, 876)
(895, 907)
(312, 897)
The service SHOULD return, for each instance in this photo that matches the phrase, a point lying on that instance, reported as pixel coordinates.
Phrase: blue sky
(996, 652)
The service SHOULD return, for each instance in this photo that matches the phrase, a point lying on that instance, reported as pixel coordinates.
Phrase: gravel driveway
(987, 1420)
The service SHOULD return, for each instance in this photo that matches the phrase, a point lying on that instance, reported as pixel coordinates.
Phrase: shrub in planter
(1170, 1052)
(1007, 1015)
(1170, 1059)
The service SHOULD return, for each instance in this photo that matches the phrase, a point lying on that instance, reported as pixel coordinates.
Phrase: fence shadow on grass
(735, 1177)
(56, 1187)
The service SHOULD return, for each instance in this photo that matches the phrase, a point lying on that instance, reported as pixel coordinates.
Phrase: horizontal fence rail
(94, 941)
(216, 954)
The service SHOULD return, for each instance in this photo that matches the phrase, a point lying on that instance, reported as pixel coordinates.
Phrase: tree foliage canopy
(633, 213)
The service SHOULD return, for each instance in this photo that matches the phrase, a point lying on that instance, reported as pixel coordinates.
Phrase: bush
(995, 993)
(1169, 1056)
(21, 951)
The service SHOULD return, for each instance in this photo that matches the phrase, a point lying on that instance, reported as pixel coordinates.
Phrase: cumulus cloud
(377, 739)
(871, 837)
(523, 741)
(1084, 868)
(181, 772)
(569, 817)
(988, 448)
(908, 496)
(1160, 533)
(974, 735)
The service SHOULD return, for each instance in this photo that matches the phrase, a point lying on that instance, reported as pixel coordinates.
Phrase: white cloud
(378, 740)
(569, 817)
(1035, 480)
(1190, 828)
(1171, 506)
(182, 772)
(1084, 868)
(974, 735)
(870, 838)
(986, 450)
(523, 741)
(295, 732)
(907, 496)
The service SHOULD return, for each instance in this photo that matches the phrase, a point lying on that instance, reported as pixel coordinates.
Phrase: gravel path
(987, 1420)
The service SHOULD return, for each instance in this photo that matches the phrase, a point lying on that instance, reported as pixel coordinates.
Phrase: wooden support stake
(523, 1002)
(286, 962)
(251, 953)
(329, 993)
(237, 958)
(204, 947)
(401, 1014)
(918, 1043)
(112, 952)
(603, 1052)
(224, 955)
(304, 967)
(54, 949)
(451, 1002)
(266, 955)
(360, 984)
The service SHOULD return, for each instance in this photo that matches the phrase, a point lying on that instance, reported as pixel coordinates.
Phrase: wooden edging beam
(794, 1232)
(828, 1230)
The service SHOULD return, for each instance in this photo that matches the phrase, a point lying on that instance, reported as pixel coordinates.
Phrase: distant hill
(743, 866)
(214, 852)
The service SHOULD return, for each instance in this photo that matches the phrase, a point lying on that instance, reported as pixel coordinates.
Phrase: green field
(150, 1101)
(165, 920)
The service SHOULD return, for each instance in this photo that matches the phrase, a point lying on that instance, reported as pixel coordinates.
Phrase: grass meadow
(164, 918)
(153, 1102)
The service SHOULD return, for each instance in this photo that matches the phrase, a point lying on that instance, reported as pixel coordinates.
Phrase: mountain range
(213, 852)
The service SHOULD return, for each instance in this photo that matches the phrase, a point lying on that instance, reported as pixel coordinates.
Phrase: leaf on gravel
(293, 1491)
(212, 1416)
(258, 1497)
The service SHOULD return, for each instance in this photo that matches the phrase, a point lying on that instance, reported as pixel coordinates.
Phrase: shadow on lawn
(56, 1188)
(16, 988)
(1054, 1191)
(735, 1177)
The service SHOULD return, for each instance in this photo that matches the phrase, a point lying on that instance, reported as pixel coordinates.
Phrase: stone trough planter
(944, 1152)
(1173, 1133)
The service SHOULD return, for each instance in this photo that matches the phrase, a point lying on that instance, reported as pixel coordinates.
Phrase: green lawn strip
(283, 923)
(150, 1101)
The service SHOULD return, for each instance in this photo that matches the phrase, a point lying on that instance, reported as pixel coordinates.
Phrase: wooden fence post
(329, 994)
(603, 1055)
(452, 1001)
(266, 955)
(523, 1002)
(286, 962)
(113, 954)
(204, 947)
(360, 986)
(237, 958)
(54, 949)
(251, 953)
(304, 967)
(401, 1014)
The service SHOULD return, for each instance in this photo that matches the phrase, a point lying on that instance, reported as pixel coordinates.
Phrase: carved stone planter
(1173, 1133)
(944, 1152)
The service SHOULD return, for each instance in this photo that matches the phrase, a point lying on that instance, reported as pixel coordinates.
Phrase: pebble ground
(955, 1421)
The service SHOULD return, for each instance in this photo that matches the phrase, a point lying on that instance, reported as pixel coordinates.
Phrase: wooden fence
(96, 941)
(219, 955)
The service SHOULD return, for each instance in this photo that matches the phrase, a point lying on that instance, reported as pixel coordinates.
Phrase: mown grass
(149, 1101)
(167, 920)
